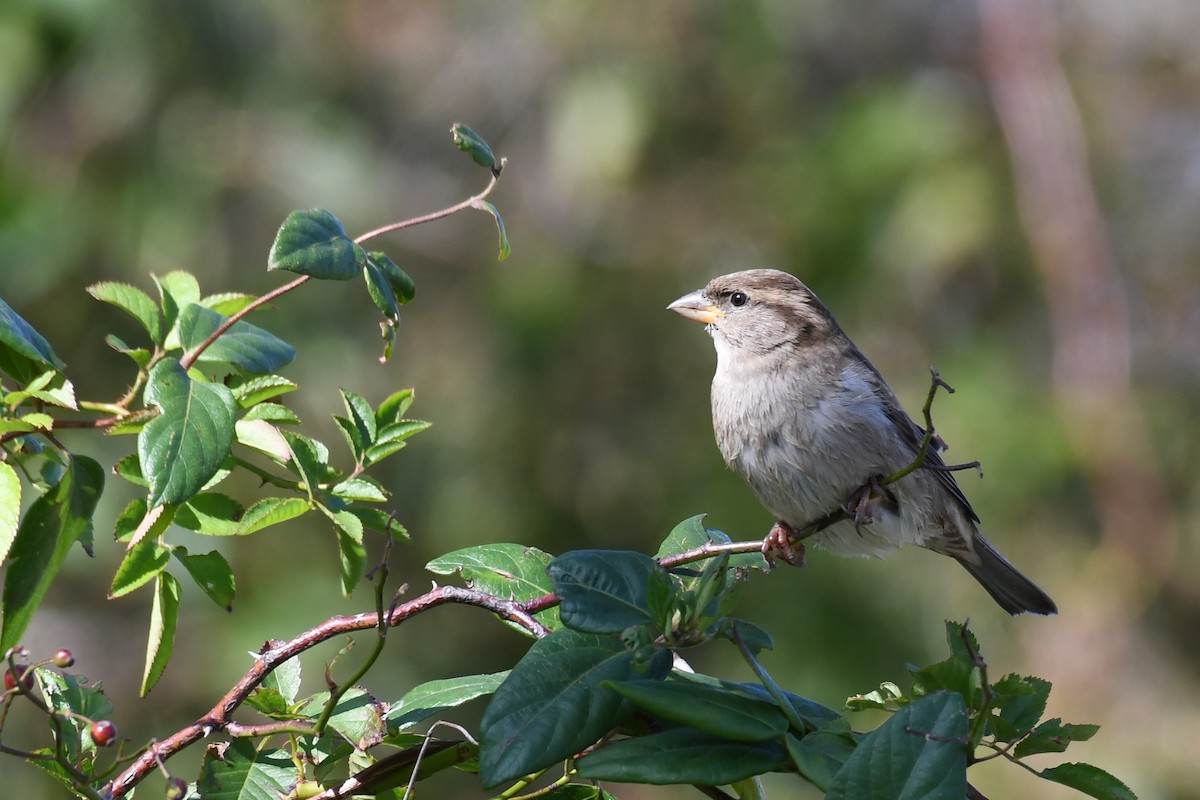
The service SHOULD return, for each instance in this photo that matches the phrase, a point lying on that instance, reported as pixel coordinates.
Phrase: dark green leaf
(434, 697)
(76, 702)
(602, 591)
(814, 715)
(51, 525)
(553, 704)
(183, 448)
(920, 753)
(315, 243)
(724, 713)
(361, 414)
(681, 755)
(244, 346)
(1053, 736)
(353, 556)
(163, 616)
(380, 290)
(691, 533)
(401, 284)
(511, 571)
(382, 521)
(578, 791)
(134, 302)
(212, 574)
(754, 637)
(505, 249)
(310, 461)
(820, 755)
(1021, 701)
(358, 717)
(20, 337)
(473, 145)
(142, 564)
(393, 437)
(241, 772)
(392, 409)
(211, 513)
(1090, 780)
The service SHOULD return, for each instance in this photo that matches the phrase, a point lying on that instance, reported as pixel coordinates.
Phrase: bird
(813, 428)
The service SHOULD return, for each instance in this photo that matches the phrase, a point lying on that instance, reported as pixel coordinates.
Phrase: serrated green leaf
(920, 753)
(19, 336)
(393, 407)
(132, 301)
(163, 616)
(212, 514)
(244, 346)
(1053, 736)
(432, 698)
(140, 355)
(176, 290)
(75, 702)
(278, 690)
(228, 303)
(310, 461)
(511, 571)
(361, 413)
(473, 145)
(361, 488)
(712, 709)
(212, 574)
(403, 288)
(357, 717)
(182, 448)
(253, 390)
(142, 564)
(1021, 703)
(271, 511)
(10, 508)
(242, 772)
(50, 387)
(602, 591)
(553, 704)
(393, 437)
(1090, 780)
(681, 755)
(505, 249)
(52, 524)
(380, 291)
(314, 243)
(382, 521)
(352, 435)
(352, 554)
(271, 412)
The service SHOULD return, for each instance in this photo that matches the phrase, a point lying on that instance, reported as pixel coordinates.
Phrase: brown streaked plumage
(802, 415)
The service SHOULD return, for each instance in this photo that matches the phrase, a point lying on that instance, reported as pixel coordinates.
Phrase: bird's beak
(696, 307)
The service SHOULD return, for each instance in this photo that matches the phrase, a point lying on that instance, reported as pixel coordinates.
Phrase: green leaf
(353, 556)
(20, 337)
(271, 412)
(380, 290)
(505, 249)
(176, 290)
(212, 514)
(139, 355)
(242, 772)
(393, 408)
(253, 390)
(820, 755)
(10, 508)
(212, 574)
(50, 387)
(315, 243)
(920, 753)
(134, 302)
(278, 690)
(244, 346)
(51, 525)
(183, 448)
(432, 698)
(553, 704)
(357, 717)
(402, 286)
(1021, 702)
(510, 571)
(473, 145)
(310, 461)
(383, 521)
(681, 755)
(361, 414)
(163, 616)
(602, 591)
(1053, 736)
(142, 564)
(712, 709)
(1090, 780)
(76, 702)
(578, 791)
(271, 511)
(362, 488)
(393, 437)
(228, 303)
(262, 436)
(814, 715)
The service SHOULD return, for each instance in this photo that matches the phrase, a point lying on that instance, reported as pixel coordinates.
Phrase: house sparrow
(802, 415)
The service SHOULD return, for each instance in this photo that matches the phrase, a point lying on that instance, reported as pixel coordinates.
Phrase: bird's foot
(866, 501)
(783, 542)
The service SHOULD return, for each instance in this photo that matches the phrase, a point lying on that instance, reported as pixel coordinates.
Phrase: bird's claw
(783, 542)
(866, 502)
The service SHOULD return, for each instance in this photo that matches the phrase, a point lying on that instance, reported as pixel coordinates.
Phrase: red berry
(103, 733)
(63, 658)
(19, 673)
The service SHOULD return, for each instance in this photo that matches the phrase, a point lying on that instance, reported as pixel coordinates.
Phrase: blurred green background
(1007, 190)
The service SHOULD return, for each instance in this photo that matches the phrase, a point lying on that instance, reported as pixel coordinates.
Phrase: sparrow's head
(759, 311)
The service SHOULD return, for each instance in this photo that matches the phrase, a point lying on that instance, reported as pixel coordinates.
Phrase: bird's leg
(867, 500)
(783, 541)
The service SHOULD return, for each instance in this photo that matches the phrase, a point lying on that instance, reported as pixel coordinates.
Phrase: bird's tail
(1015, 593)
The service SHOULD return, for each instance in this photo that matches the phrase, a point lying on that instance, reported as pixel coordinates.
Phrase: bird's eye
(739, 298)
